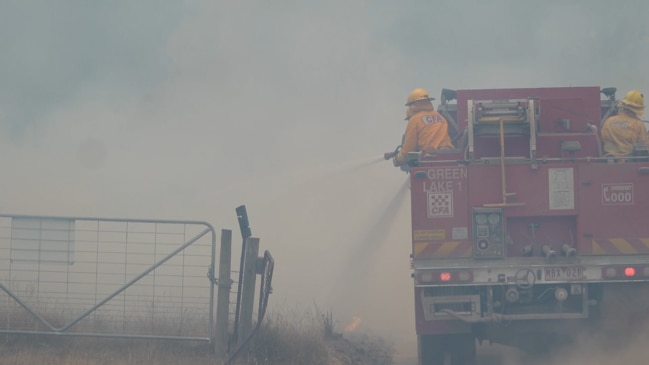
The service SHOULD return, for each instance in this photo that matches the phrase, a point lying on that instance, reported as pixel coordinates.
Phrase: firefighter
(427, 130)
(408, 113)
(624, 132)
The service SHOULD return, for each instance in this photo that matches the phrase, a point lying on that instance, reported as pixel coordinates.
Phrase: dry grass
(287, 338)
(95, 351)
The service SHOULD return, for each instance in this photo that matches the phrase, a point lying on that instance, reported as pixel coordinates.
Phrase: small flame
(353, 324)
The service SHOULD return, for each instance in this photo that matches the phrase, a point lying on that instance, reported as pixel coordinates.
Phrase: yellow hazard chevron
(433, 250)
(620, 246)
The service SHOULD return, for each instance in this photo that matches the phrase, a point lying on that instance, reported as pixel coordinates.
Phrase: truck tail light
(439, 276)
(626, 272)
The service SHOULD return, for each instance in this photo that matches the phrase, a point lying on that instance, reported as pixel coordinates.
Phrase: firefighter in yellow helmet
(408, 113)
(427, 130)
(622, 132)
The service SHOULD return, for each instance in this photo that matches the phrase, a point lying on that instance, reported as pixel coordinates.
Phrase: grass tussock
(312, 338)
(288, 339)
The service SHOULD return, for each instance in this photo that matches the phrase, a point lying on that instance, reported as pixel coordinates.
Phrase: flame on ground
(353, 324)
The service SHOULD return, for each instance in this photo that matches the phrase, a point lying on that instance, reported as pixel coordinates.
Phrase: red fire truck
(526, 234)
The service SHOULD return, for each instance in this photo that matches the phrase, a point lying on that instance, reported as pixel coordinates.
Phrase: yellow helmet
(416, 95)
(634, 99)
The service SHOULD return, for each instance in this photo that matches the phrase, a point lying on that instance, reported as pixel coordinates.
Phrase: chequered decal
(423, 250)
(440, 204)
(625, 246)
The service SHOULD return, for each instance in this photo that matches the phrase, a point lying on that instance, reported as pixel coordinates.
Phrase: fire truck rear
(526, 234)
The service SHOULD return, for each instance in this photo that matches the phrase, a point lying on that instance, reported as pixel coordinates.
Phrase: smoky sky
(187, 109)
(56, 55)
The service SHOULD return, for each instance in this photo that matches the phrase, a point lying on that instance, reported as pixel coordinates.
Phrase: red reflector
(445, 276)
(629, 271)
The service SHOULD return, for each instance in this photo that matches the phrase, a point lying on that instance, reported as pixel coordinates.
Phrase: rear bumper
(518, 290)
(532, 271)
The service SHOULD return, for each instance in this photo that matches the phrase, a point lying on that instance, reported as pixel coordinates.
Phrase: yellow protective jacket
(427, 130)
(621, 132)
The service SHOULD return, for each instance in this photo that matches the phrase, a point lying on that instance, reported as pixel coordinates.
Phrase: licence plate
(564, 273)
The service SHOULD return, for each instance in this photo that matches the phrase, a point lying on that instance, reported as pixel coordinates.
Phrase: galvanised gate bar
(104, 277)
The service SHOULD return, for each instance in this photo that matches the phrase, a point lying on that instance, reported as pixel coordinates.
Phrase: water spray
(355, 272)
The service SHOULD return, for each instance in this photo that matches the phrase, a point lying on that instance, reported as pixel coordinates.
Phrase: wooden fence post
(223, 294)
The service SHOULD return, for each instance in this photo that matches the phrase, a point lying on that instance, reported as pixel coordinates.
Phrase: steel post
(248, 287)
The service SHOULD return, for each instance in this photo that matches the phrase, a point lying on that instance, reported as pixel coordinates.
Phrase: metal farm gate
(122, 278)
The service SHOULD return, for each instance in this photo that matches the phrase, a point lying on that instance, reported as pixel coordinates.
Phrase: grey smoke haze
(185, 110)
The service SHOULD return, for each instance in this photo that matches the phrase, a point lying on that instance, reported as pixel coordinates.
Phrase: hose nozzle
(549, 252)
(528, 250)
(389, 155)
(568, 250)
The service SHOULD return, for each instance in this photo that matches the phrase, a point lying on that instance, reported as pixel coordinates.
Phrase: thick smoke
(185, 110)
